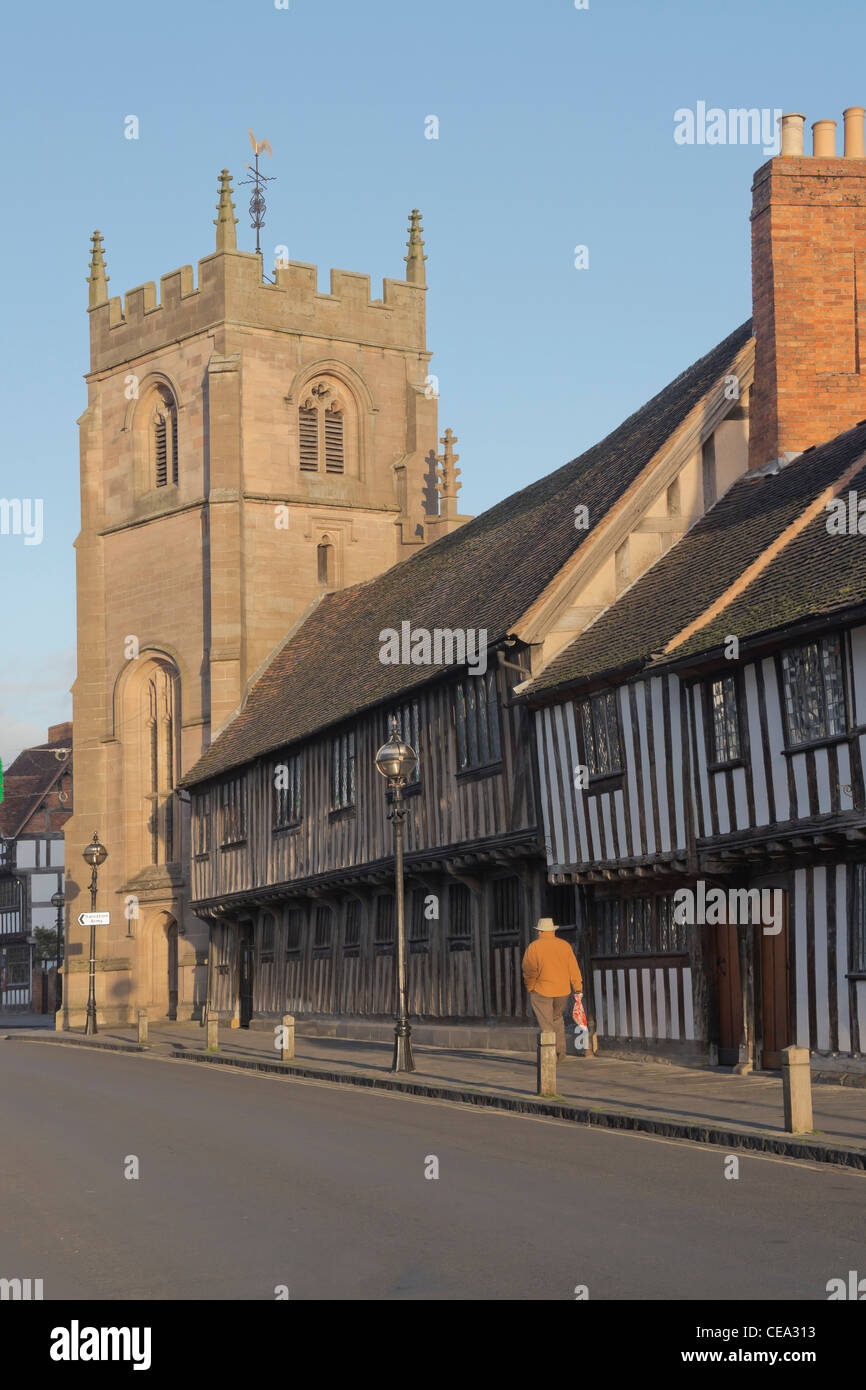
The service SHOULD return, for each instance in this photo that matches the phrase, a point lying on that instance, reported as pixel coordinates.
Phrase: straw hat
(545, 924)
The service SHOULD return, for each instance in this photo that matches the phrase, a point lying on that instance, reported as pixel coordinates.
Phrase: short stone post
(142, 1025)
(287, 1050)
(213, 1030)
(546, 1064)
(797, 1089)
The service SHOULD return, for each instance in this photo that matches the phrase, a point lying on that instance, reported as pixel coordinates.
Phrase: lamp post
(94, 854)
(58, 902)
(397, 761)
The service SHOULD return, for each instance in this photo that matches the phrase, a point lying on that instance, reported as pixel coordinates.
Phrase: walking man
(550, 972)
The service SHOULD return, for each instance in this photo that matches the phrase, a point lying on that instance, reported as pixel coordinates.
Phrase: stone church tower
(246, 447)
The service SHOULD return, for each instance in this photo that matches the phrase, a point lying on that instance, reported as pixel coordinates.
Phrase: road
(247, 1183)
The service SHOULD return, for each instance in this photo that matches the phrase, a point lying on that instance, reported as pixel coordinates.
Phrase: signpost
(94, 919)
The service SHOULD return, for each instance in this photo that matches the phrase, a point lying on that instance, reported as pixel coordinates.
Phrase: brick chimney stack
(809, 289)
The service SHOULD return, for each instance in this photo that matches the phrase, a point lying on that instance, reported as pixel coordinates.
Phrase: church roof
(483, 576)
(813, 574)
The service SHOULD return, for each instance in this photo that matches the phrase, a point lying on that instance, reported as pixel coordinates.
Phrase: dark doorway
(775, 1013)
(171, 939)
(246, 965)
(730, 994)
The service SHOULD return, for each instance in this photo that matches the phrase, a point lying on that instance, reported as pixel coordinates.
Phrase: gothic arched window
(321, 431)
(325, 560)
(151, 723)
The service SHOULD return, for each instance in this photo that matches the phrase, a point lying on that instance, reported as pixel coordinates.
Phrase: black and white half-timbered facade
(292, 854)
(701, 750)
(36, 804)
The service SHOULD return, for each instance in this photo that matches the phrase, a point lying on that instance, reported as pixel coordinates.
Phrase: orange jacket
(550, 967)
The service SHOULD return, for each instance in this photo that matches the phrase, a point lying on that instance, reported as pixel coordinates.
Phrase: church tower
(247, 446)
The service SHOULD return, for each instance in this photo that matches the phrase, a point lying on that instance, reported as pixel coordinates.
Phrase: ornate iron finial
(225, 220)
(258, 206)
(415, 272)
(97, 280)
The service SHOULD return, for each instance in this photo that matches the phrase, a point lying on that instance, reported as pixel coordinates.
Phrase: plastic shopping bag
(581, 1027)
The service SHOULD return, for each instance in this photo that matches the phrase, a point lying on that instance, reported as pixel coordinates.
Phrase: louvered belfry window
(321, 432)
(164, 441)
(160, 446)
(333, 441)
(308, 430)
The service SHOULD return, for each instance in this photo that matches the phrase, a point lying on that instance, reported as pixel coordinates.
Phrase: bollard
(797, 1089)
(546, 1064)
(142, 1025)
(213, 1031)
(287, 1051)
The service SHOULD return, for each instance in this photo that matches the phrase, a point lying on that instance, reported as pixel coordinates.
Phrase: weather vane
(258, 207)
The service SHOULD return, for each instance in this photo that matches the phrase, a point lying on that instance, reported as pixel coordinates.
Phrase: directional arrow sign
(94, 919)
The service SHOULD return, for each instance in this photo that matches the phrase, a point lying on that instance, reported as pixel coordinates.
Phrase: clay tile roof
(26, 781)
(484, 575)
(812, 574)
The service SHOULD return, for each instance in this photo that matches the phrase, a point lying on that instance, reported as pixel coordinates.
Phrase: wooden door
(729, 994)
(246, 965)
(775, 1010)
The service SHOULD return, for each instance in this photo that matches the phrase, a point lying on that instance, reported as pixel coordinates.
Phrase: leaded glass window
(478, 737)
(814, 691)
(343, 770)
(725, 746)
(598, 717)
(287, 792)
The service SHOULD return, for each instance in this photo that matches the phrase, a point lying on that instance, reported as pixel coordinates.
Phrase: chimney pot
(854, 138)
(824, 139)
(793, 128)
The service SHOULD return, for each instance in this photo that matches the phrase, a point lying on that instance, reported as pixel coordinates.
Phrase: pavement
(129, 1177)
(704, 1105)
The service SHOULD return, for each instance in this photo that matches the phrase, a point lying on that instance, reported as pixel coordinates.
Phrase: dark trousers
(548, 1011)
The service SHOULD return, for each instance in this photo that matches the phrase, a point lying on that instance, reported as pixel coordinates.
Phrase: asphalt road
(247, 1183)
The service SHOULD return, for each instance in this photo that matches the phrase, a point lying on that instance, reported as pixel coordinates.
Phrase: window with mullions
(725, 725)
(17, 966)
(201, 826)
(294, 927)
(419, 922)
(385, 922)
(600, 724)
(233, 812)
(408, 719)
(459, 917)
(268, 933)
(814, 691)
(477, 708)
(343, 771)
(324, 928)
(352, 932)
(287, 792)
(858, 939)
(505, 925)
(639, 926)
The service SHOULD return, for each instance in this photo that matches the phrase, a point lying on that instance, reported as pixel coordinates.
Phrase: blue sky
(555, 130)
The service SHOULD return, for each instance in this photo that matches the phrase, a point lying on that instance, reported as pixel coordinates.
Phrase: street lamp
(397, 761)
(58, 902)
(94, 854)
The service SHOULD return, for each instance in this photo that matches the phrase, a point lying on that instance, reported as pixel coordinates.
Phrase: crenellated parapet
(229, 289)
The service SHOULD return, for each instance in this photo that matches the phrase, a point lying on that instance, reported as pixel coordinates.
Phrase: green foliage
(46, 944)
